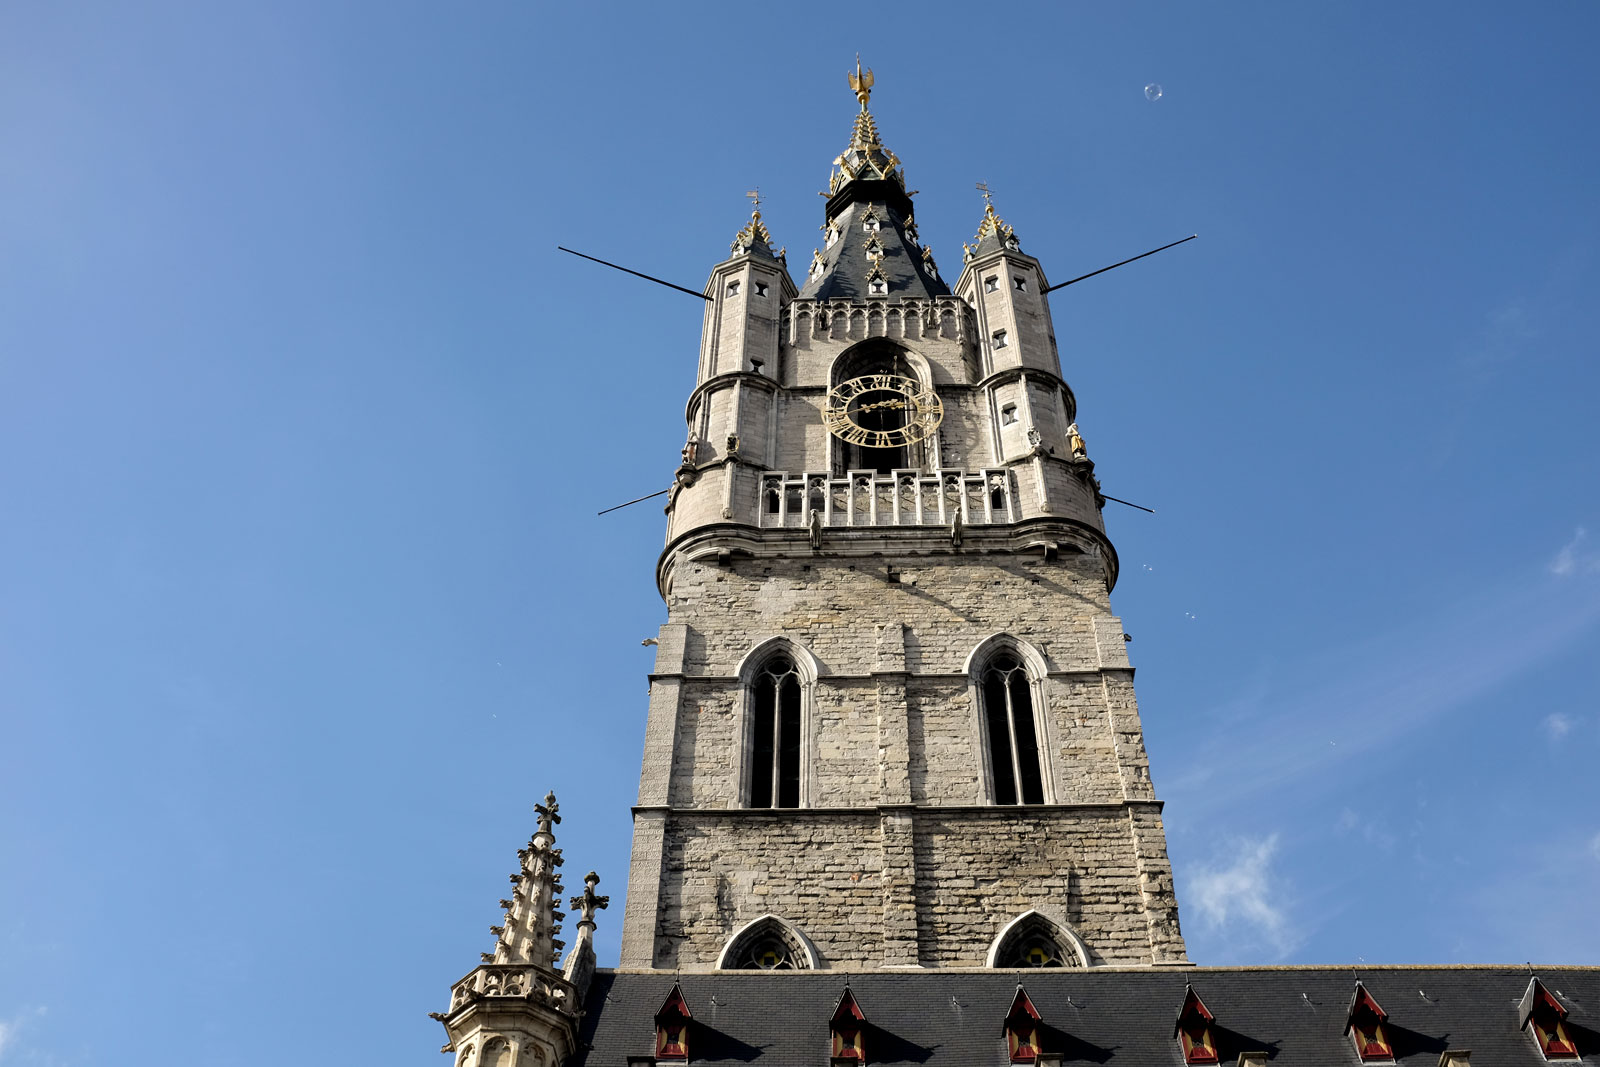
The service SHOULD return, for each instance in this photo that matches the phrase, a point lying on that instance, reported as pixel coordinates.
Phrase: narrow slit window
(733, 288)
(1021, 284)
(1008, 415)
(761, 288)
(1007, 695)
(991, 284)
(775, 736)
(1000, 339)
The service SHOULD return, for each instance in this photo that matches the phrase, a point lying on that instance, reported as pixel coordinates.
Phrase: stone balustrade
(898, 498)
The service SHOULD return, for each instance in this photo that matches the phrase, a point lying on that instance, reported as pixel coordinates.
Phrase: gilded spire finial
(992, 224)
(861, 83)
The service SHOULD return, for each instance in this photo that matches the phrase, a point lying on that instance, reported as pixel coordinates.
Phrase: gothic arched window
(774, 779)
(1032, 940)
(1013, 740)
(1005, 676)
(768, 944)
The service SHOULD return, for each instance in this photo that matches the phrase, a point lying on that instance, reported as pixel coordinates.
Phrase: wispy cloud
(1574, 558)
(1558, 725)
(1241, 900)
(1340, 703)
(12, 1027)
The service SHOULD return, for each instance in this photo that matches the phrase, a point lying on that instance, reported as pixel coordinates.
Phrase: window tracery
(775, 735)
(1006, 692)
(768, 944)
(1032, 940)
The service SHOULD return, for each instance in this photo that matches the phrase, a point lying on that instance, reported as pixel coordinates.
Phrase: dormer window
(672, 1028)
(1546, 1018)
(1008, 415)
(870, 223)
(848, 1026)
(1365, 1026)
(733, 288)
(761, 288)
(991, 284)
(1193, 1030)
(831, 235)
(1000, 339)
(1022, 1029)
(878, 288)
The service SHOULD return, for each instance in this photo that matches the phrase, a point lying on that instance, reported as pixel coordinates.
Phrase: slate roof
(954, 1018)
(847, 263)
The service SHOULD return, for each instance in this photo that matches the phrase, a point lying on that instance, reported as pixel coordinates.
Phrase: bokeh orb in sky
(1152, 92)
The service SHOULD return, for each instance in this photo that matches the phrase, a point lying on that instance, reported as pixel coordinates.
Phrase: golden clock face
(882, 411)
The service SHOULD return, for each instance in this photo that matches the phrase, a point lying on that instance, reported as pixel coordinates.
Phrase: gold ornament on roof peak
(861, 84)
(754, 237)
(865, 158)
(994, 225)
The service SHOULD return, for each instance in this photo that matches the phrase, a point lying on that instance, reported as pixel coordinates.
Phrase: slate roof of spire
(1100, 1016)
(866, 176)
(847, 263)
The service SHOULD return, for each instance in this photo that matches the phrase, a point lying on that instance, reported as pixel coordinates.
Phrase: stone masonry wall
(892, 722)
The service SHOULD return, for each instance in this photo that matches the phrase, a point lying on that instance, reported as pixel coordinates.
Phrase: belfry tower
(895, 807)
(892, 720)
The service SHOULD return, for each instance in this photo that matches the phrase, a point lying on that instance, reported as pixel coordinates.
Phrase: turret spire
(993, 231)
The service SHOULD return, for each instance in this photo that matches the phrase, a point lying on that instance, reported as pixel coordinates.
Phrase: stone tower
(892, 720)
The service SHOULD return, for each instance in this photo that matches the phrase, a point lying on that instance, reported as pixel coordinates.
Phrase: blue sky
(304, 423)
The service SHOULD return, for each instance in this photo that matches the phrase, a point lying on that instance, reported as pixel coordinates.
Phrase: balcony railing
(899, 498)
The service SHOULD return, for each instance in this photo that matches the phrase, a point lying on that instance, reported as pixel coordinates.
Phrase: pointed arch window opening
(776, 740)
(1008, 708)
(919, 455)
(768, 944)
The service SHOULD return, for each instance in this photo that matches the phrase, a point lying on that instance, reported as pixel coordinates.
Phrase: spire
(865, 159)
(528, 932)
(870, 244)
(994, 233)
(753, 238)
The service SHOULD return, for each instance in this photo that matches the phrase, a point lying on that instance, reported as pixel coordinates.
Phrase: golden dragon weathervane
(861, 83)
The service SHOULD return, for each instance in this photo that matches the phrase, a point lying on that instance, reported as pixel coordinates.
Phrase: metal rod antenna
(668, 489)
(1114, 266)
(635, 273)
(1131, 504)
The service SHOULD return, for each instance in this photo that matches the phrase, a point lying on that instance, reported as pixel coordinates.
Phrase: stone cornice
(1016, 538)
(879, 810)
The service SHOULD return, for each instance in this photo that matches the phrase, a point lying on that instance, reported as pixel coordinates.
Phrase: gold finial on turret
(861, 83)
